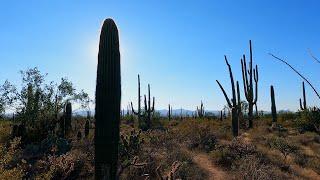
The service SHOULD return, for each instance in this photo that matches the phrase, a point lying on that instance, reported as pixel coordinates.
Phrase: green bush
(309, 120)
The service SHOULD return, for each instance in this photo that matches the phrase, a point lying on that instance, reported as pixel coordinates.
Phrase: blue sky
(176, 46)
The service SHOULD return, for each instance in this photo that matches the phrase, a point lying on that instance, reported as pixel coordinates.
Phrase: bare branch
(283, 61)
(313, 57)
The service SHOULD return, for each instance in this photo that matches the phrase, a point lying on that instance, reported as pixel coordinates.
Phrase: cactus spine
(108, 96)
(200, 111)
(273, 106)
(304, 105)
(148, 109)
(138, 113)
(234, 104)
(248, 84)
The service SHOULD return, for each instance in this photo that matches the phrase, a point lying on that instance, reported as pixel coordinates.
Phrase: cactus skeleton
(234, 104)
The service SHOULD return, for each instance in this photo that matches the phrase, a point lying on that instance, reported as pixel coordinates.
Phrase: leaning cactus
(108, 96)
(304, 105)
(234, 104)
(273, 106)
(148, 109)
(250, 94)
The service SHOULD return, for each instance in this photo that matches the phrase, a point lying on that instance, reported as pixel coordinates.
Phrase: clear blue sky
(176, 46)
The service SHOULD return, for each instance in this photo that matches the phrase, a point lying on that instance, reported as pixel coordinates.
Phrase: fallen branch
(313, 88)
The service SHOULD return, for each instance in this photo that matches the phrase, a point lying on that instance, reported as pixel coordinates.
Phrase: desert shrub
(282, 145)
(54, 145)
(5, 130)
(227, 155)
(66, 166)
(188, 170)
(198, 134)
(10, 160)
(301, 159)
(309, 120)
(252, 168)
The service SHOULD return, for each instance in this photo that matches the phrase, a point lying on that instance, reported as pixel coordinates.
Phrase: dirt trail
(204, 162)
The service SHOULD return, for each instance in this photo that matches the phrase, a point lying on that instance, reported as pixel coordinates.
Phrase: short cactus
(303, 106)
(273, 106)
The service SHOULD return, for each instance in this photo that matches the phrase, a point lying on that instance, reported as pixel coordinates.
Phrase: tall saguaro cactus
(148, 109)
(170, 112)
(250, 94)
(234, 104)
(200, 111)
(138, 112)
(108, 96)
(68, 116)
(273, 106)
(304, 105)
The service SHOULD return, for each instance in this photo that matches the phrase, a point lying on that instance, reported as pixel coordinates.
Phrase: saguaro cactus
(273, 106)
(67, 117)
(170, 112)
(148, 109)
(200, 111)
(248, 84)
(234, 104)
(108, 96)
(304, 105)
(86, 128)
(138, 112)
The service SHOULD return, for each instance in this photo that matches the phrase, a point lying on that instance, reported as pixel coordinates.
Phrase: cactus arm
(244, 76)
(224, 93)
(145, 104)
(232, 82)
(255, 76)
(152, 109)
(238, 97)
(301, 107)
(134, 112)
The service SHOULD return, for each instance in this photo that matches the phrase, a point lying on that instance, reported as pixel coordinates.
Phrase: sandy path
(203, 161)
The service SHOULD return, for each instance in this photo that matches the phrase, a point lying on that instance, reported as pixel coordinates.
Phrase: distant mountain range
(175, 112)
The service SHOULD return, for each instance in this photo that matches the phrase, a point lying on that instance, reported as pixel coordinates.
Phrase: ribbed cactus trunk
(108, 96)
(273, 106)
(68, 116)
